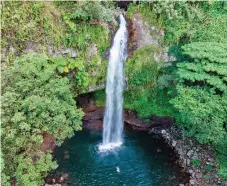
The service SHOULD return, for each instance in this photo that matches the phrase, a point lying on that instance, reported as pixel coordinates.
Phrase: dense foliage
(197, 21)
(208, 66)
(35, 99)
(145, 94)
(33, 21)
(202, 95)
(196, 85)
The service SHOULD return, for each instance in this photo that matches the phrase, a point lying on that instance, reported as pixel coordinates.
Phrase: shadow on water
(141, 160)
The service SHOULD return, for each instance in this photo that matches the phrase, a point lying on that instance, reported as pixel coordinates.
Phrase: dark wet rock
(92, 124)
(131, 118)
(56, 179)
(86, 102)
(48, 142)
(123, 4)
(132, 44)
(94, 115)
(63, 177)
(161, 121)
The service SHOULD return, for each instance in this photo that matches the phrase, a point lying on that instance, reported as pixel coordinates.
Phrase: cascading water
(113, 118)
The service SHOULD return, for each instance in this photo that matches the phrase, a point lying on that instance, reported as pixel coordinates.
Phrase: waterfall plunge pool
(140, 161)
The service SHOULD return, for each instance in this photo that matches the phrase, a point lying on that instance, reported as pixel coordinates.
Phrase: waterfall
(113, 118)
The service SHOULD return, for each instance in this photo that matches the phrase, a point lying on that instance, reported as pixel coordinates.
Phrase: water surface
(138, 162)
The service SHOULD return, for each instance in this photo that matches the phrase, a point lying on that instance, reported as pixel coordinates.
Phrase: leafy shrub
(31, 21)
(151, 101)
(142, 70)
(147, 85)
(201, 99)
(146, 11)
(202, 113)
(75, 68)
(35, 99)
(208, 66)
(197, 21)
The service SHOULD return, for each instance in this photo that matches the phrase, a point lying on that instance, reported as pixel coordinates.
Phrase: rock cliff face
(141, 34)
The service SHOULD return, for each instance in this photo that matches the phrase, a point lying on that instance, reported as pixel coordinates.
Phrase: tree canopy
(35, 99)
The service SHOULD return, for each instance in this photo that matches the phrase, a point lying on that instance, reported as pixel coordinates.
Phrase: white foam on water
(109, 146)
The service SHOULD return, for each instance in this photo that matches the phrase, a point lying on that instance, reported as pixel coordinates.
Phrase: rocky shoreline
(196, 160)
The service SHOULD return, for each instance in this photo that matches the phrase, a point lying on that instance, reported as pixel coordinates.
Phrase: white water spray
(113, 118)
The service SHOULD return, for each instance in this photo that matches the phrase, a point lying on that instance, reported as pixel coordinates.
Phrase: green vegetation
(33, 21)
(87, 29)
(147, 85)
(82, 30)
(197, 21)
(146, 11)
(39, 91)
(202, 82)
(35, 99)
(195, 89)
(144, 93)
